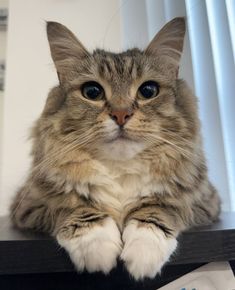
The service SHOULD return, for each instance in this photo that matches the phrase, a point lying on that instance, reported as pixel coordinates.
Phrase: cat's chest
(123, 183)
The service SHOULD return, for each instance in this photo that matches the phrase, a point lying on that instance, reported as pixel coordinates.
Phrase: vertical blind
(208, 65)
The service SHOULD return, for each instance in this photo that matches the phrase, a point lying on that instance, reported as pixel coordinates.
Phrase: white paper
(212, 276)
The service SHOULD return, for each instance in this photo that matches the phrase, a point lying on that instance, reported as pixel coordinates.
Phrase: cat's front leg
(150, 230)
(94, 246)
(147, 248)
(87, 233)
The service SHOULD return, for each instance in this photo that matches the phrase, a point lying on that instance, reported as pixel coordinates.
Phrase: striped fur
(103, 197)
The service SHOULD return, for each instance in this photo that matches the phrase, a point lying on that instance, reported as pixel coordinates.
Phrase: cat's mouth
(121, 144)
(121, 135)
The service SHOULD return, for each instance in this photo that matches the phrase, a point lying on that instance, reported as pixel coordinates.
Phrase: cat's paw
(146, 250)
(97, 250)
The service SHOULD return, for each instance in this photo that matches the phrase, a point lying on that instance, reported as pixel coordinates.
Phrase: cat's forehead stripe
(123, 66)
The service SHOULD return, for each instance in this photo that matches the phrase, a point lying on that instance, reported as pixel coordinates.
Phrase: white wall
(3, 38)
(30, 72)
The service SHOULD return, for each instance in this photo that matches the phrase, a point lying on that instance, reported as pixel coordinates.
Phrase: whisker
(153, 138)
(56, 155)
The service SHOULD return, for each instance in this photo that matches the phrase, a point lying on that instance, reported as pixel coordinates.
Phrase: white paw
(146, 250)
(97, 250)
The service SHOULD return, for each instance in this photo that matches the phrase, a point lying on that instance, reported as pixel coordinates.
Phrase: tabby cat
(118, 169)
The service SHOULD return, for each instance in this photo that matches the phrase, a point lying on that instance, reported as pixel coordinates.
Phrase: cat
(118, 170)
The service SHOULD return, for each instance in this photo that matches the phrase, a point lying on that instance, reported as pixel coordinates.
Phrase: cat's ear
(169, 41)
(66, 49)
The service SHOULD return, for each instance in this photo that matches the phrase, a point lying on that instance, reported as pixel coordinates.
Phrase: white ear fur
(168, 42)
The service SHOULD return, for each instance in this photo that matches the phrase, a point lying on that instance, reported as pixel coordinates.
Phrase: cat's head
(119, 104)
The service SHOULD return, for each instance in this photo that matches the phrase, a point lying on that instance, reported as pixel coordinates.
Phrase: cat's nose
(121, 116)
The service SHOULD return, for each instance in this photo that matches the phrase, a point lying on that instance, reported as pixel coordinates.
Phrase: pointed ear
(66, 50)
(168, 42)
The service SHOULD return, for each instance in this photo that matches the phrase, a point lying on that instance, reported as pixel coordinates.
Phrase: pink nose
(121, 116)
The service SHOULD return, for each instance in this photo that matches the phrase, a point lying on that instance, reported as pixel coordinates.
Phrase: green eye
(148, 90)
(92, 91)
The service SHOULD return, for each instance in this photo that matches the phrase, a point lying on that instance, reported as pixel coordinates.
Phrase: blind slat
(205, 86)
(225, 82)
(230, 5)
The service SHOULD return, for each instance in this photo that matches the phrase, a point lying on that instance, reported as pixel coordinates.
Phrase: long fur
(102, 196)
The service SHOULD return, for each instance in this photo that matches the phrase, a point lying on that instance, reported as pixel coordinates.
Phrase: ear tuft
(169, 41)
(51, 25)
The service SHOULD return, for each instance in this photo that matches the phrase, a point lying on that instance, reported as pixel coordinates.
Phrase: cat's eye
(148, 90)
(92, 91)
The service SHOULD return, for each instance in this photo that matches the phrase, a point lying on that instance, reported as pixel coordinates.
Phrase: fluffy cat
(118, 169)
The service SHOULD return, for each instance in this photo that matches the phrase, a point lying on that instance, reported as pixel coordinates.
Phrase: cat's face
(118, 105)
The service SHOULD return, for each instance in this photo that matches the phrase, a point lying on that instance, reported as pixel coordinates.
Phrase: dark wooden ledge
(35, 261)
(26, 252)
